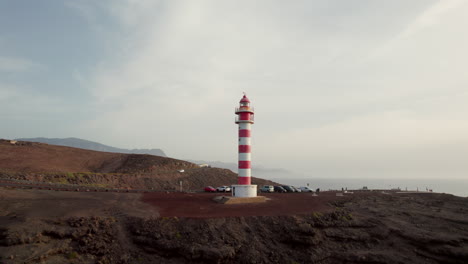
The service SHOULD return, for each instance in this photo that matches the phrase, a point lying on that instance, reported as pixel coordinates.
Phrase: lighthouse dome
(244, 99)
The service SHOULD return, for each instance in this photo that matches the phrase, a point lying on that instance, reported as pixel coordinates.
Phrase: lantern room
(244, 111)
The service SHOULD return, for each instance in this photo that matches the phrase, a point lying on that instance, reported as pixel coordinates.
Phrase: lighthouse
(245, 119)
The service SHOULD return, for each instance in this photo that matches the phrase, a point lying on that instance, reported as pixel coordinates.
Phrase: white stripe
(244, 156)
(244, 126)
(243, 172)
(244, 141)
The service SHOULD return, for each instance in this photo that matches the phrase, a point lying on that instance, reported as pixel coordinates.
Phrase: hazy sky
(341, 88)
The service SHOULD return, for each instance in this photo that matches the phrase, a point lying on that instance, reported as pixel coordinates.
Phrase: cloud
(10, 64)
(431, 16)
(7, 92)
(216, 47)
(17, 103)
(437, 22)
(334, 84)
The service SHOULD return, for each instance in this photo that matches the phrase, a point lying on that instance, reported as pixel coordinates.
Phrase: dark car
(288, 188)
(280, 189)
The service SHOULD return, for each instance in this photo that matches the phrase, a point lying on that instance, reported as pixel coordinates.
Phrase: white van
(267, 188)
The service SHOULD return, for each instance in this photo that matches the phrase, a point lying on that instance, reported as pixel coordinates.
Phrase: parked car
(305, 189)
(297, 189)
(279, 189)
(294, 188)
(267, 188)
(223, 189)
(209, 189)
(288, 188)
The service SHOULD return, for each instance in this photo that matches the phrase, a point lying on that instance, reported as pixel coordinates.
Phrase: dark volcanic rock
(365, 228)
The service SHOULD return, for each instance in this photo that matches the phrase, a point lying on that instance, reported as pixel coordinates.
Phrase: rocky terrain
(39, 162)
(51, 225)
(122, 228)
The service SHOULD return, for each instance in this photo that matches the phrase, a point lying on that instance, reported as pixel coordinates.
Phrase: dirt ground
(43, 164)
(46, 226)
(54, 204)
(201, 205)
(49, 203)
(32, 157)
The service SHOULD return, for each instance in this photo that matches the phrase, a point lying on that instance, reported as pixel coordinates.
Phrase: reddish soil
(39, 157)
(38, 162)
(201, 205)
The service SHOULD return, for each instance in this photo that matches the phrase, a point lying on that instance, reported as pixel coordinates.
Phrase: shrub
(317, 215)
(72, 255)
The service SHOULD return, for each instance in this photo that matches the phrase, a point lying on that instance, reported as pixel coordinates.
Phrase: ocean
(458, 187)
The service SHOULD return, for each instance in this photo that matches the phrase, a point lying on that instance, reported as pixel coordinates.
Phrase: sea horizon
(458, 187)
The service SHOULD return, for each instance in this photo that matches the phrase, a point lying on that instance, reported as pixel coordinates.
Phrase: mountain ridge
(92, 145)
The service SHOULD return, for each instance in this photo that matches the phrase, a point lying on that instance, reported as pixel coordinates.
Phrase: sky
(364, 88)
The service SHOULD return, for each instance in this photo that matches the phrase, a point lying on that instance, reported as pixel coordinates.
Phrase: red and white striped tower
(245, 118)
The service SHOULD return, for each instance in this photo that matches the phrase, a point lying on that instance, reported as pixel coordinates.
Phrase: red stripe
(244, 132)
(243, 180)
(244, 148)
(244, 164)
(244, 116)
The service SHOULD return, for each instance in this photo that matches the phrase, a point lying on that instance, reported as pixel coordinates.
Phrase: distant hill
(33, 161)
(257, 171)
(86, 144)
(34, 157)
